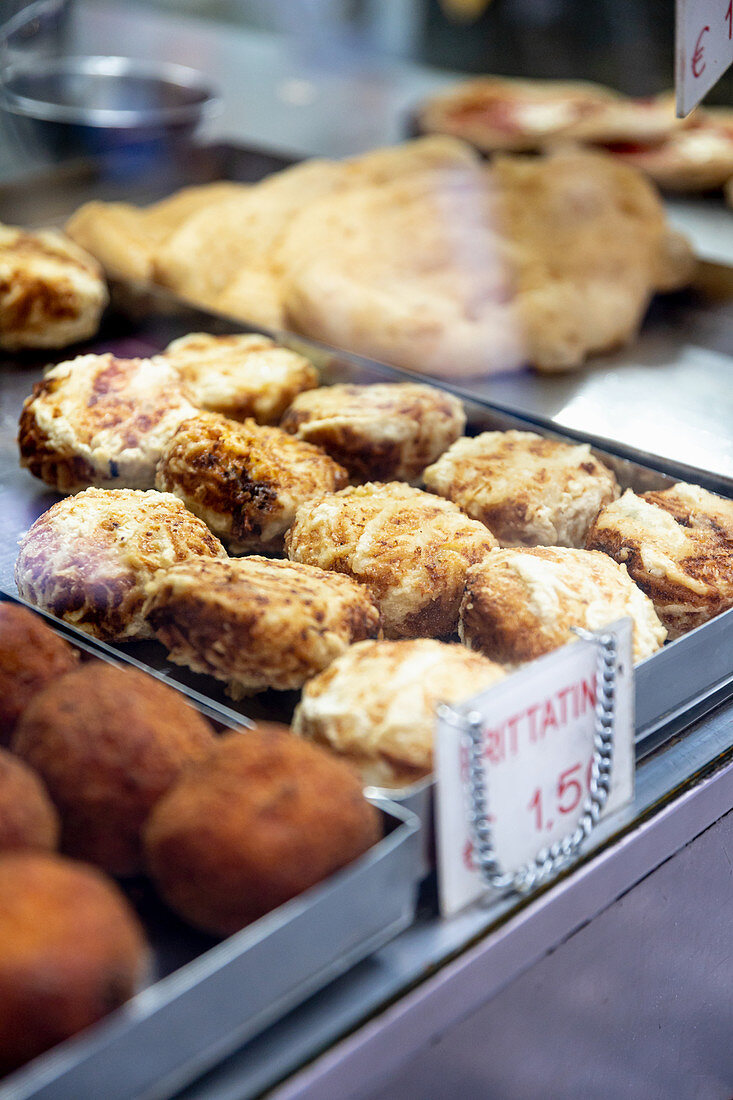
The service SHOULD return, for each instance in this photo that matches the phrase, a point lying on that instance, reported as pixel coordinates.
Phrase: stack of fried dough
(419, 255)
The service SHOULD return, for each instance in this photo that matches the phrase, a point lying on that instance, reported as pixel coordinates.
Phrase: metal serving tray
(686, 679)
(207, 998)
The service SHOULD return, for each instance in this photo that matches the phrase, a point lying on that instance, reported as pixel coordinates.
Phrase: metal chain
(554, 857)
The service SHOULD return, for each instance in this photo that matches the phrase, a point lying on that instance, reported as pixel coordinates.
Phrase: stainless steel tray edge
(173, 1031)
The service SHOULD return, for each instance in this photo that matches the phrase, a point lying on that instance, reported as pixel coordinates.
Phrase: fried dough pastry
(88, 558)
(125, 238)
(677, 545)
(256, 623)
(263, 818)
(52, 293)
(375, 705)
(73, 950)
(386, 431)
(529, 491)
(409, 548)
(99, 420)
(499, 114)
(698, 158)
(246, 480)
(544, 260)
(240, 376)
(520, 604)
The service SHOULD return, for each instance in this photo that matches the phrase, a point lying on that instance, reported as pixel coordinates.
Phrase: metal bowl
(97, 103)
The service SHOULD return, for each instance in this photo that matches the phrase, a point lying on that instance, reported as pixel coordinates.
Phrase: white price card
(537, 744)
(703, 48)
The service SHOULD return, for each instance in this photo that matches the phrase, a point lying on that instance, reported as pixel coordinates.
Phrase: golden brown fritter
(386, 431)
(240, 376)
(263, 818)
(99, 420)
(257, 623)
(27, 815)
(529, 491)
(375, 705)
(88, 558)
(51, 292)
(409, 548)
(678, 547)
(244, 480)
(520, 604)
(72, 951)
(31, 654)
(505, 114)
(108, 742)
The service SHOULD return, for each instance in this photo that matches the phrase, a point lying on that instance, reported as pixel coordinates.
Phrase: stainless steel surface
(636, 1004)
(438, 972)
(112, 92)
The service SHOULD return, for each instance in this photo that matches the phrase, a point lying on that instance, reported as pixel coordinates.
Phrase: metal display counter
(615, 980)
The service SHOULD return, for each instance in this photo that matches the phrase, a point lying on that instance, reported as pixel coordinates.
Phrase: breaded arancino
(28, 818)
(72, 951)
(262, 818)
(31, 655)
(108, 742)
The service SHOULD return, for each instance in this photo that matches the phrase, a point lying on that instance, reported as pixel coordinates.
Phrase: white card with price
(538, 737)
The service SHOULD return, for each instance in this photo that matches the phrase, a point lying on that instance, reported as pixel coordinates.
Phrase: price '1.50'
(562, 797)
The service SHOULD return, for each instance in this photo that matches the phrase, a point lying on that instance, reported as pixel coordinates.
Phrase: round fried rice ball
(520, 604)
(375, 705)
(257, 623)
(88, 558)
(241, 376)
(31, 654)
(263, 818)
(108, 742)
(244, 480)
(529, 491)
(72, 951)
(677, 545)
(411, 550)
(384, 432)
(28, 818)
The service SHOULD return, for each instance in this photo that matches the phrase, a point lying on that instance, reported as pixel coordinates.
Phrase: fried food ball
(100, 420)
(520, 604)
(28, 818)
(244, 480)
(108, 742)
(72, 951)
(52, 293)
(411, 550)
(375, 705)
(240, 376)
(263, 818)
(529, 491)
(388, 431)
(88, 558)
(30, 655)
(257, 623)
(678, 546)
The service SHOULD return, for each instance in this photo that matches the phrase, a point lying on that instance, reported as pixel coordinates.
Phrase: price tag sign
(704, 48)
(537, 734)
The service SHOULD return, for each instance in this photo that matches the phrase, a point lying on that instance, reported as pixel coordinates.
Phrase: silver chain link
(554, 857)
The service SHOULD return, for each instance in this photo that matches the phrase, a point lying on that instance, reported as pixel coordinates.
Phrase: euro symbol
(698, 65)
